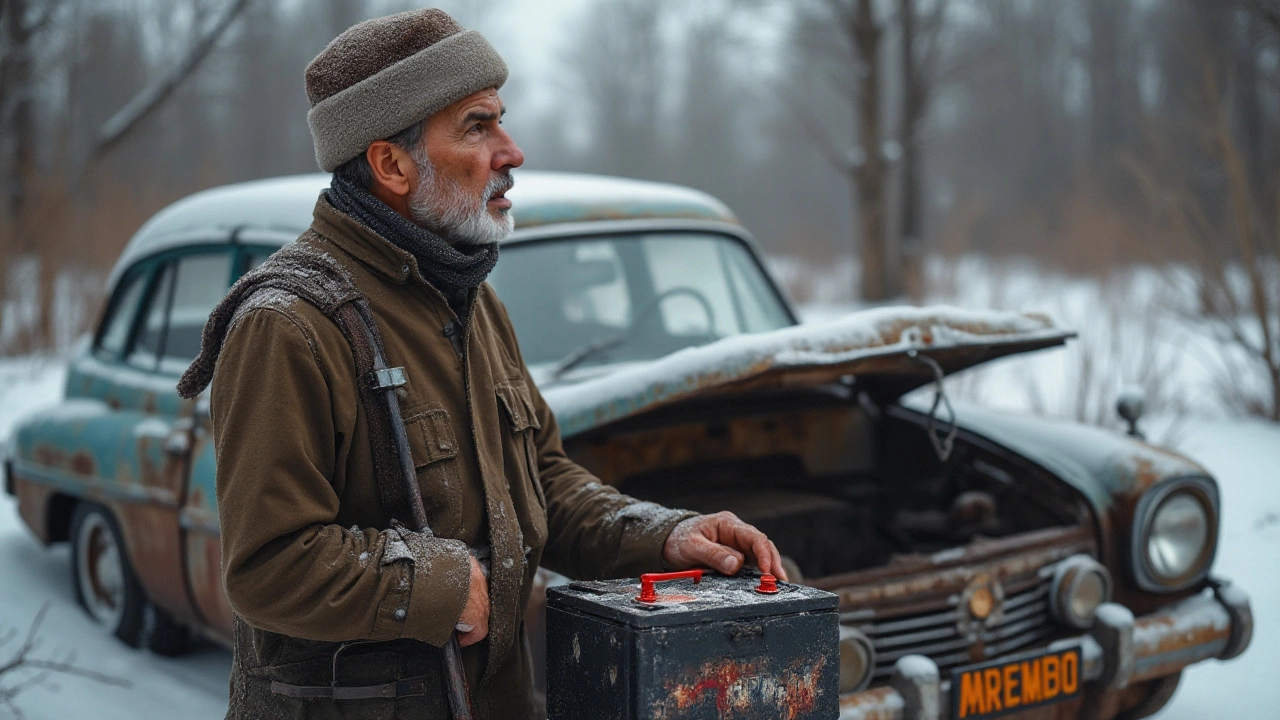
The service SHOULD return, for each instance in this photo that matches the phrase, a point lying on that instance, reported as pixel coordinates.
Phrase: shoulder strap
(306, 271)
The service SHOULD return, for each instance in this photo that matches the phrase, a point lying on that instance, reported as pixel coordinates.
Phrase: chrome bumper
(1118, 651)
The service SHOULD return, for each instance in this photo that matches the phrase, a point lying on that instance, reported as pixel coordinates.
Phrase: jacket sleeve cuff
(646, 542)
(432, 589)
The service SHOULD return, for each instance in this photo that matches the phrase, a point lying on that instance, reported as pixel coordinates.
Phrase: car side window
(149, 337)
(115, 328)
(184, 294)
(200, 283)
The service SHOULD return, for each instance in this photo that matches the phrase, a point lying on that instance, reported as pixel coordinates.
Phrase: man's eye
(476, 128)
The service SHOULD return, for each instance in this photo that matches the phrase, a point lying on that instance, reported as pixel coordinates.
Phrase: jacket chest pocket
(520, 459)
(435, 457)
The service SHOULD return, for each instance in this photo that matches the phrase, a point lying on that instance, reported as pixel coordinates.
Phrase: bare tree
(869, 167)
(853, 67)
(919, 48)
(118, 126)
(47, 176)
(1235, 251)
(620, 68)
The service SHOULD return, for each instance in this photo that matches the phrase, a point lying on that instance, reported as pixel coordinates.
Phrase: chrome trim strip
(92, 487)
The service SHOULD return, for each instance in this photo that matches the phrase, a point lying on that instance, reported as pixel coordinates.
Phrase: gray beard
(443, 207)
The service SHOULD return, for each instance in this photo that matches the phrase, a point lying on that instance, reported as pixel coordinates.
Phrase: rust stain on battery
(746, 686)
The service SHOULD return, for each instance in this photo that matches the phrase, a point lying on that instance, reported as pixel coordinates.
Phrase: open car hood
(875, 346)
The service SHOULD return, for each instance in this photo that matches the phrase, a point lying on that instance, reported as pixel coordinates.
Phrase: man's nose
(508, 154)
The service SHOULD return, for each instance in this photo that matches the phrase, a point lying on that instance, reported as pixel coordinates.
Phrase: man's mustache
(499, 185)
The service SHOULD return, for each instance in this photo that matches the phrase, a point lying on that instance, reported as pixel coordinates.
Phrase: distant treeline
(998, 126)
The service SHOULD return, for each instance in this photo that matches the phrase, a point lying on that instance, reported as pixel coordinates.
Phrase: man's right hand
(473, 624)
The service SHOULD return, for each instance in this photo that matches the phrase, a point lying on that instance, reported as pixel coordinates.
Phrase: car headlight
(1175, 534)
(1080, 585)
(857, 660)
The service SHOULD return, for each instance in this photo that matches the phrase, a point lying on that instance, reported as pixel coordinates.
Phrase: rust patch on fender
(744, 688)
(82, 464)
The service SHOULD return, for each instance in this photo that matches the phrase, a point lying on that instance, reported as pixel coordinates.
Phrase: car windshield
(609, 298)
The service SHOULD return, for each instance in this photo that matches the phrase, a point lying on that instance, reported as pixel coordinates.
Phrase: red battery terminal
(768, 585)
(648, 594)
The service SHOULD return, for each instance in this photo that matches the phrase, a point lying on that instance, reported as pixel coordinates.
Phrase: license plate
(1009, 685)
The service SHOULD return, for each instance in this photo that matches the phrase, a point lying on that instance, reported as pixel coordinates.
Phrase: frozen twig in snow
(33, 671)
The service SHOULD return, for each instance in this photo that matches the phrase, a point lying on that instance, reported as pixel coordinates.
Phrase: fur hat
(383, 75)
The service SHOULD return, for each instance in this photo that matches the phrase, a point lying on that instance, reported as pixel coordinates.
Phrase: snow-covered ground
(1243, 454)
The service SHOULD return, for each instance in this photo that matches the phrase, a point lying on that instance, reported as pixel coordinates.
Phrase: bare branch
(118, 126)
(66, 668)
(828, 147)
(1266, 10)
(43, 668)
(43, 20)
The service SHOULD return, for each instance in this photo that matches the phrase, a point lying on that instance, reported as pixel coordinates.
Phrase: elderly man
(338, 604)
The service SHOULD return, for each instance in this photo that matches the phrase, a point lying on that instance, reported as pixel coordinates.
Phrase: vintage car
(983, 562)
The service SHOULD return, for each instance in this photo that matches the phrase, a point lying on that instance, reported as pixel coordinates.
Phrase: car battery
(728, 648)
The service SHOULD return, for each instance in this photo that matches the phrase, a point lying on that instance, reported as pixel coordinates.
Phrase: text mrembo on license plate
(1001, 686)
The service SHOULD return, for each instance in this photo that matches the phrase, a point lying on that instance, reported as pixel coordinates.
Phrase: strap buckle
(387, 378)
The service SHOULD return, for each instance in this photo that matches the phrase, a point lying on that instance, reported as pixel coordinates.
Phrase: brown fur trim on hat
(386, 74)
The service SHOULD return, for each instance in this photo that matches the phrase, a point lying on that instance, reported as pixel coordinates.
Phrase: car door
(123, 438)
(199, 515)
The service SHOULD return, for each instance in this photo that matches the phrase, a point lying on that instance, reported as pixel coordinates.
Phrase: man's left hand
(721, 542)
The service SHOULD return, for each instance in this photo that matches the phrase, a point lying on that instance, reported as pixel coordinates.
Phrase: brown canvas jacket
(310, 560)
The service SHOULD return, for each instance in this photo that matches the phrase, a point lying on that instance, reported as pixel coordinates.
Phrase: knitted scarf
(454, 271)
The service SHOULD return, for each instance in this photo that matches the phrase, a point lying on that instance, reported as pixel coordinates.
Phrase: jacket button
(404, 269)
(400, 613)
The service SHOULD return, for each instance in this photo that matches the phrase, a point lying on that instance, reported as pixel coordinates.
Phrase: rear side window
(185, 292)
(151, 330)
(115, 328)
(200, 283)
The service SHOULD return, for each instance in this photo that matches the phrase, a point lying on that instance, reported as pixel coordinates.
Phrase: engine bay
(838, 484)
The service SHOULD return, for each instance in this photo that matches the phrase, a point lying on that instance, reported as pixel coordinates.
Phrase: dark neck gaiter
(454, 271)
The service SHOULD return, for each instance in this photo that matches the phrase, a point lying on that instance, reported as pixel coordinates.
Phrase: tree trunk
(879, 282)
(909, 230)
(18, 104)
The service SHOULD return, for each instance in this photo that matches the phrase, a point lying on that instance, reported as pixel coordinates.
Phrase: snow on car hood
(872, 345)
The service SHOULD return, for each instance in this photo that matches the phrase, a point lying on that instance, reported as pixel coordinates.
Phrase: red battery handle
(647, 593)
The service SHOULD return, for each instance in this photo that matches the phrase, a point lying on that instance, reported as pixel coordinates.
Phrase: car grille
(1026, 619)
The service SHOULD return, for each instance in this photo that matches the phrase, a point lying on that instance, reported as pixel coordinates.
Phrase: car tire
(165, 636)
(102, 575)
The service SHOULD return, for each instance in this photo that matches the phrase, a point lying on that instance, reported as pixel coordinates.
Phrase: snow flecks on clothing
(649, 516)
(270, 297)
(864, 334)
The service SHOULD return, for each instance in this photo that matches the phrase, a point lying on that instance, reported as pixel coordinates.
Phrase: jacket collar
(385, 259)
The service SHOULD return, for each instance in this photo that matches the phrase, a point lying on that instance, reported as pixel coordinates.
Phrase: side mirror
(1129, 405)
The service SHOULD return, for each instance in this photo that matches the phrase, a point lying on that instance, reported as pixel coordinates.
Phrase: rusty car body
(679, 374)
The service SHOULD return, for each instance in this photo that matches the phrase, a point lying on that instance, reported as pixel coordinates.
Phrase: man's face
(466, 172)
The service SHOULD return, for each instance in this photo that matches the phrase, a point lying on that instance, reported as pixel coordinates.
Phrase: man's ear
(393, 170)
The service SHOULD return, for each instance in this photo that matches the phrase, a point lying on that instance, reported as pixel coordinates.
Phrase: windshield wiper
(584, 353)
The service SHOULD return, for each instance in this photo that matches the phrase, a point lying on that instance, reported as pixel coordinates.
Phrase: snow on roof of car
(283, 205)
(860, 342)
